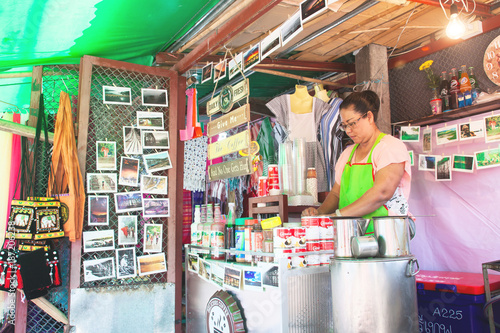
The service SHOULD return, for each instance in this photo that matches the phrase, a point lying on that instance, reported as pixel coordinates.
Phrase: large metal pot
(345, 228)
(393, 234)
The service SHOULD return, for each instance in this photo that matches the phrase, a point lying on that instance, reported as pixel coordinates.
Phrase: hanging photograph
(446, 135)
(291, 28)
(252, 279)
(128, 202)
(235, 65)
(156, 207)
(98, 211)
(105, 155)
(471, 130)
(132, 140)
(410, 152)
(154, 97)
(102, 240)
(129, 172)
(251, 57)
(150, 120)
(157, 161)
(155, 139)
(232, 277)
(427, 140)
(410, 133)
(463, 163)
(116, 95)
(151, 264)
(205, 270)
(193, 262)
(311, 8)
(101, 182)
(492, 126)
(127, 230)
(443, 168)
(426, 162)
(488, 158)
(154, 184)
(220, 70)
(125, 263)
(270, 44)
(153, 237)
(98, 269)
(270, 275)
(206, 73)
(217, 274)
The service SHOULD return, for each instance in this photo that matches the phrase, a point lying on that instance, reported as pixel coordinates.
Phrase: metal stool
(493, 265)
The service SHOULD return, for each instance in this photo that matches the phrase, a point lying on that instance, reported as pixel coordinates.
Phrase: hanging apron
(358, 178)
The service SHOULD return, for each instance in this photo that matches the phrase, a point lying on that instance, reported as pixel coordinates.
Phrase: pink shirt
(389, 150)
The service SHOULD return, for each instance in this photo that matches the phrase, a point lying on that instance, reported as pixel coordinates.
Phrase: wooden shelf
(275, 204)
(452, 115)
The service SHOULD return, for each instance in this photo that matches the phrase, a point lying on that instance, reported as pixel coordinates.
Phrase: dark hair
(363, 102)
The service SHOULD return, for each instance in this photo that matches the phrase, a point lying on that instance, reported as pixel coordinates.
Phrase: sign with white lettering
(229, 145)
(238, 167)
(228, 96)
(234, 118)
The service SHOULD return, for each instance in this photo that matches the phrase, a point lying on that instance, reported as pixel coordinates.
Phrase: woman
(372, 177)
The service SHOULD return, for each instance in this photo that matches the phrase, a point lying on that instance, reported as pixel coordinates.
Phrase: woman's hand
(311, 211)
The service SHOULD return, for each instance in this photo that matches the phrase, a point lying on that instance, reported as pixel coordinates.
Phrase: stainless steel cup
(393, 234)
(364, 246)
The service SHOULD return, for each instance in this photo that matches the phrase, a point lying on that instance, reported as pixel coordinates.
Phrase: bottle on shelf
(239, 238)
(443, 91)
(217, 236)
(257, 239)
(229, 231)
(217, 214)
(473, 82)
(465, 86)
(454, 89)
(194, 226)
(248, 238)
(207, 228)
(203, 213)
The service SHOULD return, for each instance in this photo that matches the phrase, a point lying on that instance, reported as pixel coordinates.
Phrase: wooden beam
(22, 130)
(482, 9)
(226, 32)
(299, 77)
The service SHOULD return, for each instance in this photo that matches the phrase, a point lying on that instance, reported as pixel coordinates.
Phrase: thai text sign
(234, 168)
(227, 97)
(232, 119)
(229, 145)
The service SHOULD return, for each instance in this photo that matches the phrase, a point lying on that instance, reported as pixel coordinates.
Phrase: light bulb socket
(453, 10)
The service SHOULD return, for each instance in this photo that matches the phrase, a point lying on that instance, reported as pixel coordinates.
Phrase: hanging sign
(238, 167)
(490, 61)
(223, 314)
(227, 97)
(234, 118)
(229, 145)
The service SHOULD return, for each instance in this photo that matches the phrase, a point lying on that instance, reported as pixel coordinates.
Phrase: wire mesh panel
(106, 123)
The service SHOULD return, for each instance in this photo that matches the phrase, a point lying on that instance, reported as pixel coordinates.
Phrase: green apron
(358, 178)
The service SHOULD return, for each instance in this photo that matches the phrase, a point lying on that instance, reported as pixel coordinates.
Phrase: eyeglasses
(352, 124)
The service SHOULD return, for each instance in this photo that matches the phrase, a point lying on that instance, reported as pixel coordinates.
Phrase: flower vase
(436, 102)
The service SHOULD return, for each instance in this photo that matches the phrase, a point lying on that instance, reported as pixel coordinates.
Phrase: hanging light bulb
(456, 28)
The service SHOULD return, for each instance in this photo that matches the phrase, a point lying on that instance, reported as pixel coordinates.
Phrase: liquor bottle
(194, 226)
(473, 82)
(229, 232)
(465, 86)
(444, 93)
(454, 89)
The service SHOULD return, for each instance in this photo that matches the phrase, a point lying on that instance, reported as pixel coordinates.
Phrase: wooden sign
(227, 97)
(490, 61)
(234, 118)
(229, 145)
(238, 167)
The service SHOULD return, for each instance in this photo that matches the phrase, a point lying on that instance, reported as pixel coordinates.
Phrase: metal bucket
(393, 234)
(376, 295)
(345, 228)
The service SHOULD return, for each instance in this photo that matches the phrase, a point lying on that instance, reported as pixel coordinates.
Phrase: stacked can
(263, 189)
(290, 240)
(311, 224)
(326, 238)
(273, 179)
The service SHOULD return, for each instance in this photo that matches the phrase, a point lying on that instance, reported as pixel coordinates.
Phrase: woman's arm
(329, 206)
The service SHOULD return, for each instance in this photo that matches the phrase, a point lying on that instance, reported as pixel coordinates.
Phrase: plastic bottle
(454, 89)
(248, 238)
(217, 215)
(217, 238)
(257, 240)
(465, 86)
(194, 226)
(239, 238)
(229, 232)
(443, 91)
(475, 86)
(203, 213)
(210, 213)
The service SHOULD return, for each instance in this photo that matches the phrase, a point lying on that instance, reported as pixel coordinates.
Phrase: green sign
(228, 96)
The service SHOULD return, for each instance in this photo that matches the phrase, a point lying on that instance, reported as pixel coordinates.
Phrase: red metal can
(313, 246)
(299, 236)
(273, 180)
(325, 228)
(326, 245)
(272, 170)
(305, 220)
(263, 187)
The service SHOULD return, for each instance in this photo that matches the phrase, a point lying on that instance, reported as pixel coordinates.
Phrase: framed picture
(251, 57)
(232, 277)
(205, 270)
(129, 172)
(154, 97)
(101, 182)
(270, 44)
(311, 8)
(154, 184)
(127, 230)
(98, 210)
(410, 152)
(157, 161)
(125, 263)
(217, 274)
(128, 202)
(443, 168)
(193, 262)
(105, 155)
(150, 120)
(270, 275)
(471, 130)
(252, 279)
(488, 158)
(291, 28)
(151, 264)
(220, 70)
(427, 140)
(102, 240)
(492, 127)
(116, 95)
(155, 139)
(156, 207)
(446, 134)
(426, 162)
(463, 163)
(132, 140)
(206, 73)
(410, 133)
(153, 237)
(235, 65)
(98, 269)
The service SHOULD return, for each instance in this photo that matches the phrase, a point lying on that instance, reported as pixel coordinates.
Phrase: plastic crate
(452, 302)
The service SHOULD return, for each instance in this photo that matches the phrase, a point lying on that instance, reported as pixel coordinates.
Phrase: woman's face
(355, 124)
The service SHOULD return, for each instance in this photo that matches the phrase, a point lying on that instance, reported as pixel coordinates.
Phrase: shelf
(467, 111)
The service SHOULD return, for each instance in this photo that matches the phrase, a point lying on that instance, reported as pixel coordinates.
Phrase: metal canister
(364, 246)
(393, 235)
